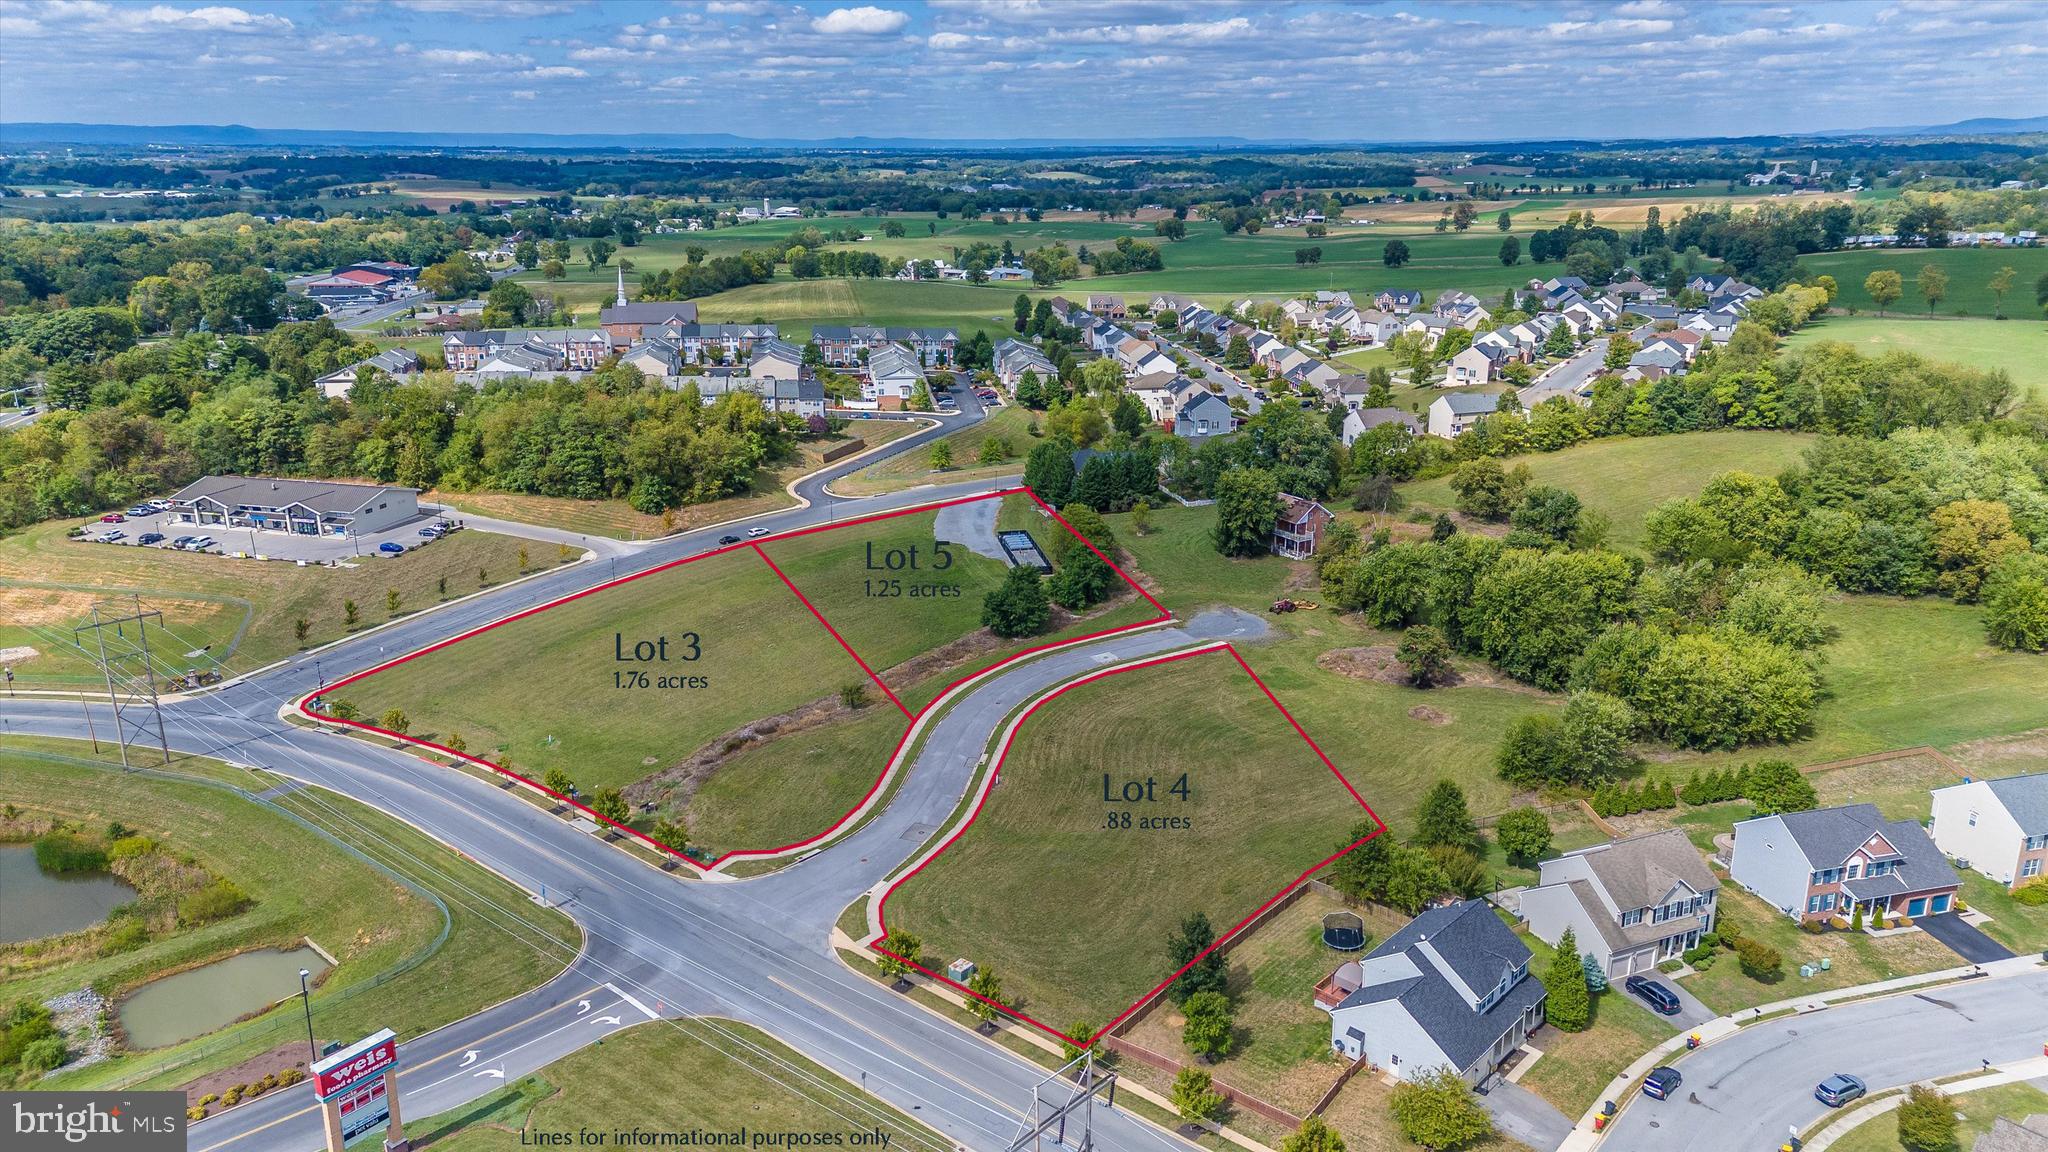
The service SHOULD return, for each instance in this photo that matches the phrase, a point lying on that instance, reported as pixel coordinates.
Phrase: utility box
(960, 971)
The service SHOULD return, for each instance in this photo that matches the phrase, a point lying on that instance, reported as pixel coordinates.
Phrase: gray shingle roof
(266, 492)
(1639, 871)
(1463, 944)
(1471, 403)
(2026, 798)
(1829, 836)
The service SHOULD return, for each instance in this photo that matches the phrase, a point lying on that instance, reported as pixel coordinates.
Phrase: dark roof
(1467, 941)
(1922, 869)
(1471, 403)
(2026, 798)
(1829, 836)
(655, 312)
(268, 492)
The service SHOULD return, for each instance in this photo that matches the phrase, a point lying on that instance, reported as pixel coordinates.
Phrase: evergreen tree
(1187, 942)
(1445, 819)
(1570, 1006)
(1018, 606)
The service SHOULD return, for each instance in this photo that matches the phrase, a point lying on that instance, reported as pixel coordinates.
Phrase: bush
(231, 1097)
(1927, 1120)
(123, 934)
(43, 1055)
(60, 852)
(130, 847)
(2033, 895)
(196, 1112)
(1811, 927)
(1193, 1097)
(1693, 956)
(1759, 960)
(1436, 1109)
(217, 901)
(1524, 833)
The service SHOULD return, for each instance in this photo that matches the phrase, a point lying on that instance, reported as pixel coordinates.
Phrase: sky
(952, 69)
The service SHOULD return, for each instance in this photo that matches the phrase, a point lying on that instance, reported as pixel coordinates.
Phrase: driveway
(1691, 1013)
(1964, 938)
(1525, 1115)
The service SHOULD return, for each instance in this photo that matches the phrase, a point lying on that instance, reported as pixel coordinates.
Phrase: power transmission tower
(1079, 1083)
(130, 673)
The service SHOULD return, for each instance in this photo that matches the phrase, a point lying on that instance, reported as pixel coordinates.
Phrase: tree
(1569, 1007)
(1596, 975)
(1247, 506)
(1970, 537)
(900, 953)
(1394, 254)
(598, 253)
(1504, 221)
(1021, 308)
(1510, 250)
(988, 986)
(557, 781)
(1192, 938)
(391, 601)
(1210, 1031)
(1049, 470)
(1524, 834)
(1413, 879)
(2016, 602)
(1194, 1097)
(1549, 512)
(1932, 284)
(1927, 1120)
(1314, 1135)
(1444, 818)
(1437, 1110)
(610, 803)
(2001, 283)
(1018, 606)
(1486, 490)
(300, 628)
(1759, 960)
(349, 615)
(1775, 786)
(1083, 582)
(394, 720)
(1596, 732)
(671, 834)
(941, 455)
(1426, 655)
(1884, 286)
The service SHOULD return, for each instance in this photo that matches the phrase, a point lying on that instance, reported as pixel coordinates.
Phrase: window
(1631, 918)
(2031, 867)
(1813, 904)
(1973, 818)
(1854, 869)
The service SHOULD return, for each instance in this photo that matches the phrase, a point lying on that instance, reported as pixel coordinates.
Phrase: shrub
(43, 1055)
(1811, 927)
(59, 852)
(1193, 1097)
(129, 847)
(1693, 956)
(1524, 833)
(196, 1112)
(290, 1076)
(209, 1098)
(2033, 895)
(231, 1097)
(1437, 1110)
(124, 934)
(1927, 1120)
(217, 901)
(1759, 960)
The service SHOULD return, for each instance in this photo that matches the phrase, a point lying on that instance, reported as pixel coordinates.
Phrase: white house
(893, 375)
(1631, 904)
(1450, 415)
(1997, 827)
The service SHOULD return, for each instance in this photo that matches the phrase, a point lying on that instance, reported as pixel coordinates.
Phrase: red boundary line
(820, 617)
(755, 546)
(1380, 826)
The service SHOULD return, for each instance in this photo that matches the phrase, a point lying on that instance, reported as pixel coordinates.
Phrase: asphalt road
(1568, 377)
(1747, 1091)
(1206, 369)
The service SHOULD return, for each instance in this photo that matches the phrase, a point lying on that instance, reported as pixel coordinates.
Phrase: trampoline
(1344, 931)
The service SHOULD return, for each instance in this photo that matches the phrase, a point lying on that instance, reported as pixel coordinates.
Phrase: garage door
(1917, 907)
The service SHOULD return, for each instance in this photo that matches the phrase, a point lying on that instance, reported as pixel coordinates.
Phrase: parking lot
(261, 544)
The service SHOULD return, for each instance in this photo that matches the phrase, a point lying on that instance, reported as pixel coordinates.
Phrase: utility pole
(1079, 1082)
(129, 672)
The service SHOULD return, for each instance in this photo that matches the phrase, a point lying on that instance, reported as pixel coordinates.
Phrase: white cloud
(467, 57)
(524, 94)
(553, 72)
(606, 52)
(473, 8)
(947, 41)
(739, 7)
(865, 20)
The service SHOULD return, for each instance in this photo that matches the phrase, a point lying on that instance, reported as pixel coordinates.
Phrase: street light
(306, 998)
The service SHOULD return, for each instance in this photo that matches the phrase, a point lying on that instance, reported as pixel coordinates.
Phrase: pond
(177, 1008)
(39, 904)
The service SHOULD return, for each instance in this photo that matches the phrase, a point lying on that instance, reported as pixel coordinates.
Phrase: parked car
(113, 518)
(181, 541)
(393, 547)
(1657, 996)
(1839, 1089)
(757, 532)
(728, 539)
(111, 537)
(150, 538)
(430, 532)
(160, 505)
(200, 544)
(141, 510)
(1662, 1082)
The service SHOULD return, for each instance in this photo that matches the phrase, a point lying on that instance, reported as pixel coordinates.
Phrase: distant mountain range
(237, 135)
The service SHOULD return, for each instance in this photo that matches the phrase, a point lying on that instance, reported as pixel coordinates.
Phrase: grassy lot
(1011, 423)
(620, 521)
(1283, 1040)
(375, 926)
(1623, 478)
(241, 611)
(1578, 1069)
(2018, 346)
(762, 654)
(1975, 1112)
(1853, 957)
(740, 1079)
(1262, 806)
(1969, 273)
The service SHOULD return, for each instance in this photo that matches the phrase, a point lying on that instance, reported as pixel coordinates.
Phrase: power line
(129, 673)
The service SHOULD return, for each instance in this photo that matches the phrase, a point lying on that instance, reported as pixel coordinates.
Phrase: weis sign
(365, 1059)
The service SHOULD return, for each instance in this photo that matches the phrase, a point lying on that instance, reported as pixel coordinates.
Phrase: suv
(1661, 1083)
(1654, 994)
(1839, 1089)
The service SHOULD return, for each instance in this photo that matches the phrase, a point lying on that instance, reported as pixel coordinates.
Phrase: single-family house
(1159, 396)
(1473, 366)
(1107, 306)
(1201, 413)
(1450, 415)
(1430, 326)
(1359, 421)
(391, 362)
(1450, 989)
(1298, 530)
(1830, 861)
(891, 377)
(1631, 904)
(1998, 827)
(1401, 300)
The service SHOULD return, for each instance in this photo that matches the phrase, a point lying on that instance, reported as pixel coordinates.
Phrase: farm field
(1262, 807)
(1624, 478)
(740, 1080)
(218, 611)
(371, 924)
(2018, 346)
(1969, 272)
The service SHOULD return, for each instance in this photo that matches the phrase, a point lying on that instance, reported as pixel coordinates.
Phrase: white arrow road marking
(499, 1073)
(582, 1006)
(468, 1058)
(613, 1020)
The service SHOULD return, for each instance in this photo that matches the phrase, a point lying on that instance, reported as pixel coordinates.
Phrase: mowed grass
(1075, 914)
(1976, 1113)
(2020, 347)
(1969, 272)
(1011, 424)
(773, 793)
(1578, 1069)
(1625, 478)
(241, 612)
(740, 1079)
(545, 690)
(1853, 958)
(372, 923)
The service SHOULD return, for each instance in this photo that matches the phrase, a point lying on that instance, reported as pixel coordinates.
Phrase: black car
(1657, 996)
(728, 539)
(1661, 1083)
(149, 538)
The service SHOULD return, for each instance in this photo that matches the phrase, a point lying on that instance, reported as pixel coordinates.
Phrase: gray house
(1450, 989)
(300, 507)
(1203, 414)
(1631, 904)
(1831, 861)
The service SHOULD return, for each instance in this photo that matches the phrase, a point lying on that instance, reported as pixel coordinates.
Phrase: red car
(113, 518)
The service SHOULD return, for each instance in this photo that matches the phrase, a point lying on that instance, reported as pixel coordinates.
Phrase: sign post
(358, 1090)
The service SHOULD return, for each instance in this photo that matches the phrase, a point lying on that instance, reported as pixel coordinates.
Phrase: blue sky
(1007, 68)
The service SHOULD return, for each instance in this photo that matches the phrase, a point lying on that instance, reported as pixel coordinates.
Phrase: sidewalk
(2007, 1074)
(1584, 1139)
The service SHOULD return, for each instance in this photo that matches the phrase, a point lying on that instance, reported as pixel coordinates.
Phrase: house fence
(1222, 949)
(1238, 1098)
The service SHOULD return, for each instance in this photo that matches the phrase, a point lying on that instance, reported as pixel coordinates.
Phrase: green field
(1624, 478)
(1975, 1114)
(736, 1079)
(240, 611)
(908, 469)
(1969, 272)
(1262, 808)
(1578, 1069)
(2020, 347)
(394, 967)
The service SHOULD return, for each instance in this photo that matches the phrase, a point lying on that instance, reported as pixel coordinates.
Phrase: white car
(757, 532)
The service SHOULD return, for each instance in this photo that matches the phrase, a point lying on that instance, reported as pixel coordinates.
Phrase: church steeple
(622, 287)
